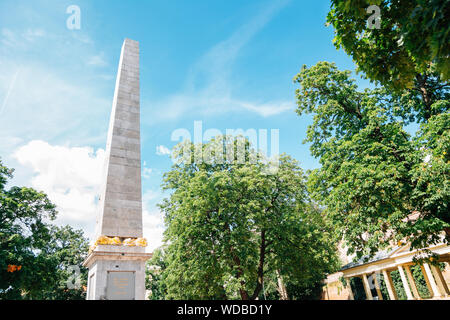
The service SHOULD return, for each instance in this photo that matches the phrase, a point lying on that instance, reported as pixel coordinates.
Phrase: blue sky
(228, 64)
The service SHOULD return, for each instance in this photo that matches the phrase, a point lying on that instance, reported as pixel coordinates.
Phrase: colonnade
(433, 277)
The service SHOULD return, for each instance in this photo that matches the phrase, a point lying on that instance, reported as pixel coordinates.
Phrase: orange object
(130, 242)
(13, 267)
(142, 242)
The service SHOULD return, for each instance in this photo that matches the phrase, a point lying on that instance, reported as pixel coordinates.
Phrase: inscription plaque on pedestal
(120, 285)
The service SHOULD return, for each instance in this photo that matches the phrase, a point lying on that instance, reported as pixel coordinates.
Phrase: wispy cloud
(12, 38)
(208, 87)
(9, 38)
(39, 98)
(146, 171)
(49, 91)
(32, 34)
(81, 37)
(162, 150)
(97, 61)
(8, 92)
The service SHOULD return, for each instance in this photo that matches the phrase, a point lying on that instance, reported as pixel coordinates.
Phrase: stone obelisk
(117, 260)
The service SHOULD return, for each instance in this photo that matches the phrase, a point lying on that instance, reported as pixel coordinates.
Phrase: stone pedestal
(116, 273)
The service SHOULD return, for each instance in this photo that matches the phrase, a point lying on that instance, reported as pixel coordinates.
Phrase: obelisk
(117, 260)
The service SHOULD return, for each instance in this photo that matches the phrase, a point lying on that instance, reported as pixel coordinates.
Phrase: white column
(377, 286)
(429, 275)
(367, 287)
(411, 282)
(350, 292)
(425, 276)
(405, 283)
(389, 285)
(440, 281)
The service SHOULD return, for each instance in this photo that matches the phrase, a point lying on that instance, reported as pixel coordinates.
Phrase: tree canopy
(35, 256)
(231, 227)
(412, 40)
(154, 275)
(374, 173)
(380, 180)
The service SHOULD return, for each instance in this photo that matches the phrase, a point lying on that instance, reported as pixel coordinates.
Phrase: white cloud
(153, 223)
(146, 172)
(12, 38)
(10, 88)
(162, 150)
(150, 197)
(152, 219)
(208, 102)
(208, 88)
(70, 176)
(269, 108)
(97, 61)
(32, 34)
(37, 103)
(9, 39)
(83, 38)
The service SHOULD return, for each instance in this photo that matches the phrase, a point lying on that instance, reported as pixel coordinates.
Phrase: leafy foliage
(155, 271)
(43, 251)
(413, 37)
(231, 227)
(374, 173)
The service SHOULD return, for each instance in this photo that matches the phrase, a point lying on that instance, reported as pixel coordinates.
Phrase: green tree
(413, 39)
(374, 174)
(41, 250)
(231, 223)
(155, 272)
(67, 250)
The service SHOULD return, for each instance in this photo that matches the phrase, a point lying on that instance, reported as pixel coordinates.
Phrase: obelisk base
(116, 273)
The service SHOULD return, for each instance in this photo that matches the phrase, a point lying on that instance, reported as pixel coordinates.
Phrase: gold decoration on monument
(116, 241)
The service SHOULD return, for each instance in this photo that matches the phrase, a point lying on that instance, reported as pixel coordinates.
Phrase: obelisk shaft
(118, 271)
(121, 199)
